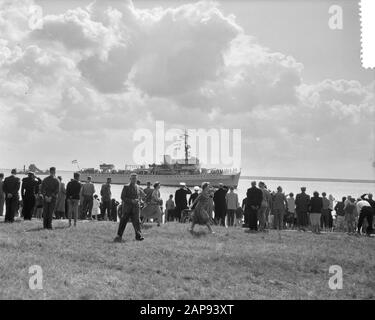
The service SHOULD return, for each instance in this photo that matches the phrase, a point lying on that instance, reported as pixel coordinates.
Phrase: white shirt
(360, 204)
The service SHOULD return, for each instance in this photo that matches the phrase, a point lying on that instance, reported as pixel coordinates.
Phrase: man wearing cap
(11, 186)
(50, 190)
(193, 196)
(29, 188)
(88, 191)
(302, 207)
(130, 197)
(220, 204)
(180, 200)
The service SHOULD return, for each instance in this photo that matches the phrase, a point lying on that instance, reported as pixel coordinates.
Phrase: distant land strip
(308, 179)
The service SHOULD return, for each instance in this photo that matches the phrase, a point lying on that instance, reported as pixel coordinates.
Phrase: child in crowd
(95, 208)
(169, 208)
(114, 205)
(39, 205)
(239, 217)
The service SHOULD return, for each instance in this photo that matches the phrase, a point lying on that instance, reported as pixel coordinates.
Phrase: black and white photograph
(171, 151)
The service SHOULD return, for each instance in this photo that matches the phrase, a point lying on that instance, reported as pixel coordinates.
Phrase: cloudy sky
(78, 78)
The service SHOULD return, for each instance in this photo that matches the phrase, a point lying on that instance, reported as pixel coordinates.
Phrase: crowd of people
(260, 211)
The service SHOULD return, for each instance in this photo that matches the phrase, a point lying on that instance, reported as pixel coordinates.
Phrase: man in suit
(130, 197)
(50, 190)
(302, 208)
(2, 195)
(28, 190)
(11, 187)
(254, 201)
(220, 204)
(180, 200)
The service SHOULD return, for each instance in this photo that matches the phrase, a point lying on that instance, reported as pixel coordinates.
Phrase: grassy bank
(83, 263)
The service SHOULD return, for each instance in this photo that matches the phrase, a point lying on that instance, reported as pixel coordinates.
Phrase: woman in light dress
(60, 203)
(153, 210)
(200, 214)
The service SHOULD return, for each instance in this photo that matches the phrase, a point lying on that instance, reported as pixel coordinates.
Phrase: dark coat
(302, 202)
(254, 197)
(220, 198)
(180, 197)
(316, 205)
(11, 185)
(30, 187)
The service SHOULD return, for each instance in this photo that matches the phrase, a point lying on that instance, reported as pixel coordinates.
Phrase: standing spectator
(340, 215)
(302, 208)
(232, 204)
(39, 203)
(11, 187)
(28, 190)
(61, 199)
(349, 209)
(148, 193)
(2, 195)
(114, 205)
(192, 197)
(291, 210)
(180, 200)
(88, 191)
(315, 209)
(245, 213)
(279, 206)
(253, 203)
(50, 190)
(324, 220)
(220, 204)
(331, 205)
(365, 211)
(73, 192)
(106, 194)
(265, 206)
(169, 208)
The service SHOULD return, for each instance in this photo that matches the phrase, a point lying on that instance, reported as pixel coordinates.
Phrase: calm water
(338, 190)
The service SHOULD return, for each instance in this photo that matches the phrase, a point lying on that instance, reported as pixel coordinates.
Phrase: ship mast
(186, 146)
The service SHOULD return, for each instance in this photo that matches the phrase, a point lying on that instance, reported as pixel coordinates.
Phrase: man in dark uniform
(254, 201)
(11, 186)
(193, 196)
(302, 208)
(220, 204)
(28, 189)
(180, 200)
(50, 190)
(130, 197)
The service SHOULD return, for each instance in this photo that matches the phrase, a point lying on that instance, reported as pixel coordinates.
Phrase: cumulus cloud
(93, 72)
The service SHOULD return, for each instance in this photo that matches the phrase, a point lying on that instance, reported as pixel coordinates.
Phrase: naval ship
(171, 172)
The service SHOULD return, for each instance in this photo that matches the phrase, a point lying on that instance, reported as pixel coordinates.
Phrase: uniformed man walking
(130, 197)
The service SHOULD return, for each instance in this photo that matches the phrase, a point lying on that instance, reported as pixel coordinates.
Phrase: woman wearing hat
(200, 214)
(152, 210)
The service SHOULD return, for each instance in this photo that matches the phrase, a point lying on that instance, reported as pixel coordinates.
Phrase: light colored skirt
(152, 211)
(315, 219)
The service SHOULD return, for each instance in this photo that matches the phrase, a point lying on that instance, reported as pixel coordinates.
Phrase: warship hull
(191, 180)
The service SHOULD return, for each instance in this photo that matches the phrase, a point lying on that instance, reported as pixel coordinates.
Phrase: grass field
(83, 263)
